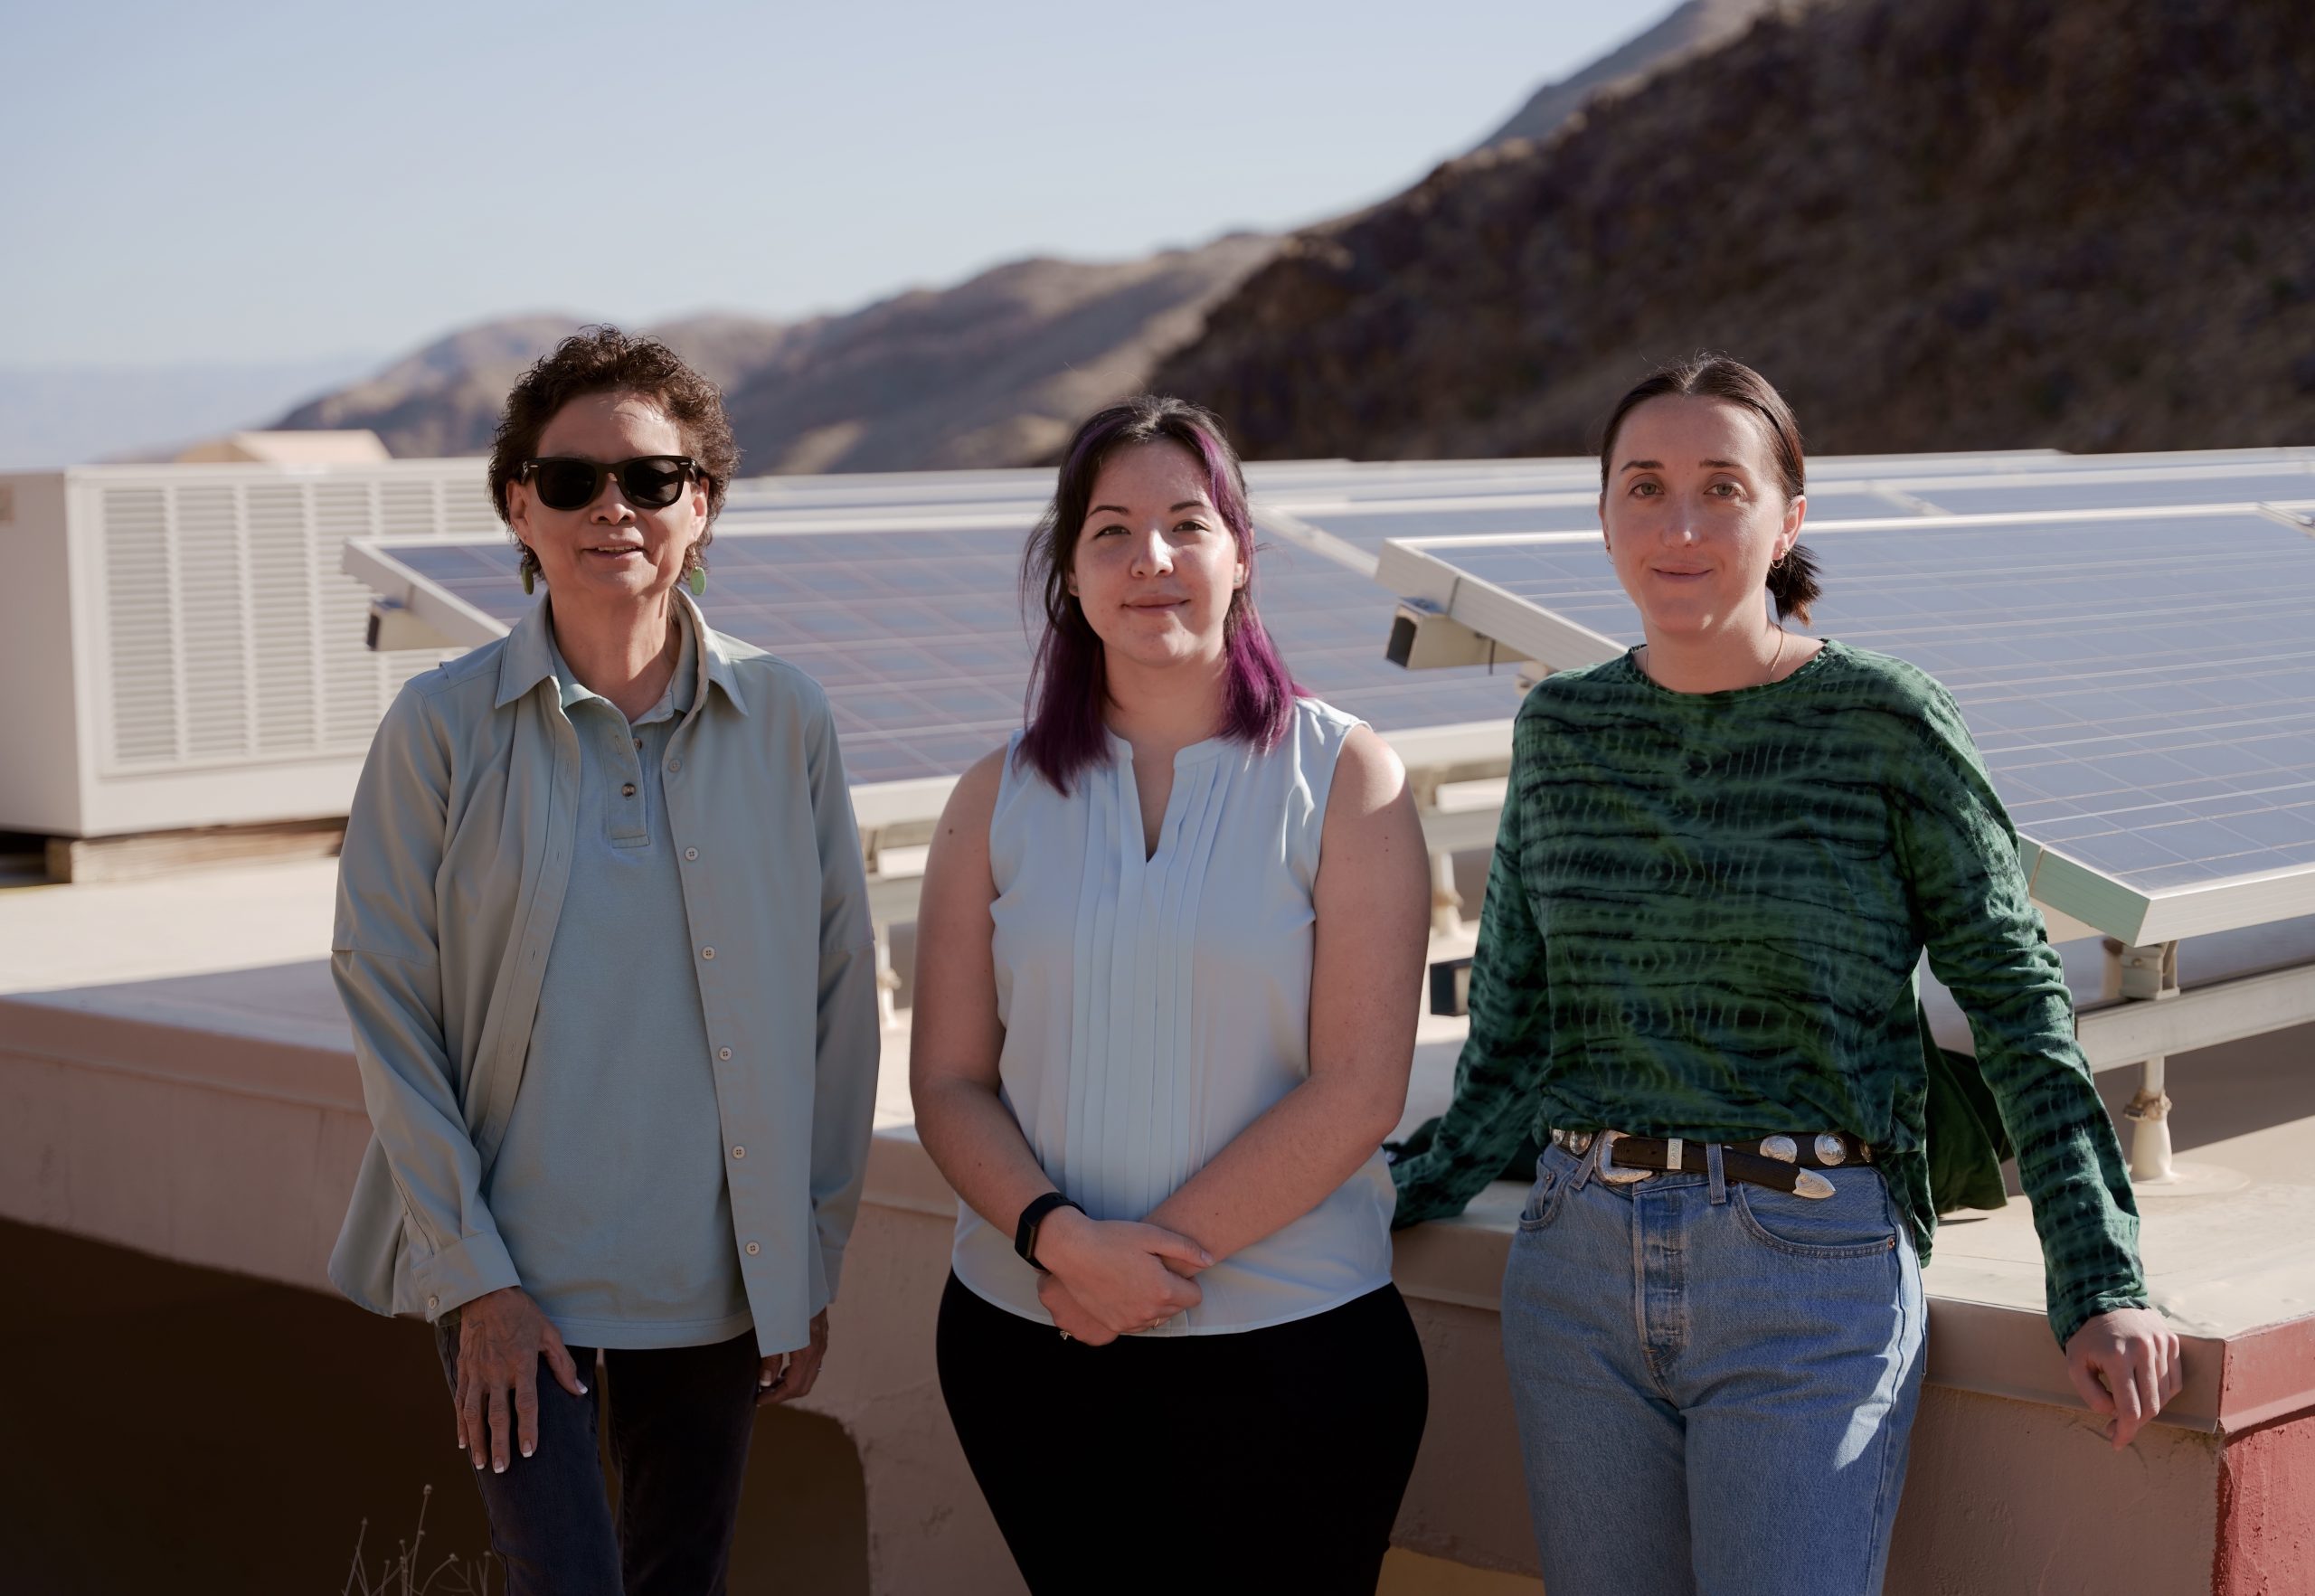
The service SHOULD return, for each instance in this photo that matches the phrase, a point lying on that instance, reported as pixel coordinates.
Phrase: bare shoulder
(973, 799)
(960, 844)
(1369, 778)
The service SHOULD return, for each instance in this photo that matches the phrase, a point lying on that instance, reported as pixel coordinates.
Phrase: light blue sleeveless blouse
(1154, 1009)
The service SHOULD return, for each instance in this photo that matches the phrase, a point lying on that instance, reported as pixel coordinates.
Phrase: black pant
(1264, 1460)
(680, 1420)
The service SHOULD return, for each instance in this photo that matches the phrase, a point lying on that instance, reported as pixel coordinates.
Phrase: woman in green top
(1721, 858)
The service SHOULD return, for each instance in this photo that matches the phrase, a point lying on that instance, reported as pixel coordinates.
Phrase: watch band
(1024, 1234)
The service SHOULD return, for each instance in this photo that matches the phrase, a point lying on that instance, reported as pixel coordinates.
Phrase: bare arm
(954, 1046)
(1372, 900)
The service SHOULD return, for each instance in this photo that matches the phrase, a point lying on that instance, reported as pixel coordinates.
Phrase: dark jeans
(680, 1420)
(1265, 1461)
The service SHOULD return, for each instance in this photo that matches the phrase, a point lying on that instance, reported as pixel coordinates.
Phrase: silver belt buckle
(1605, 1163)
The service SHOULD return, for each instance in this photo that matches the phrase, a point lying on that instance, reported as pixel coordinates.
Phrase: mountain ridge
(1934, 223)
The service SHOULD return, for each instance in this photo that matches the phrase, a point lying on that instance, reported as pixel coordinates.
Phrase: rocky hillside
(1690, 30)
(993, 371)
(1935, 223)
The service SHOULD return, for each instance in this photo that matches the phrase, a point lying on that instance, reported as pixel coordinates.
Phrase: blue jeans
(681, 1420)
(1714, 1382)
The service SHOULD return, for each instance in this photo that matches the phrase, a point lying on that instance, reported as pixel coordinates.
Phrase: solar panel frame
(2150, 795)
(919, 637)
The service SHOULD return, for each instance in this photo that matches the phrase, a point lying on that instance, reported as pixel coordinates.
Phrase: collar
(529, 657)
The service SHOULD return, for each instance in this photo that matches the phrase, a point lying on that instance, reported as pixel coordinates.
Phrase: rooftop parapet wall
(218, 1121)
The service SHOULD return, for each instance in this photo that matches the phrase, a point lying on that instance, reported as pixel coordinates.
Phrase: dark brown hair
(1069, 682)
(1792, 581)
(604, 360)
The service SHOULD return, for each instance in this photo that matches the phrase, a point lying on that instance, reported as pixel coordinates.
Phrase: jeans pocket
(1855, 1221)
(1543, 1198)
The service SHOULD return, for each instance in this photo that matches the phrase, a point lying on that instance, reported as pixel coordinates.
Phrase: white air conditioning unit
(178, 646)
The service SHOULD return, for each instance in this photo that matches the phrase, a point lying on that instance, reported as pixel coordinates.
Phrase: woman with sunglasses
(603, 933)
(1171, 947)
(1721, 857)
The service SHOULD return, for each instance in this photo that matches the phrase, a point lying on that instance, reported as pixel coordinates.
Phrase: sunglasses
(648, 482)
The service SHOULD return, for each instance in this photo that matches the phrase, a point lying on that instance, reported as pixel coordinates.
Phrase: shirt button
(627, 790)
(691, 853)
(674, 764)
(722, 1052)
(433, 1302)
(739, 1152)
(707, 952)
(753, 1249)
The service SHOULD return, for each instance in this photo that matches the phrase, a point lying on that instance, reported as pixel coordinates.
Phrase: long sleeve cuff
(2070, 1310)
(455, 1277)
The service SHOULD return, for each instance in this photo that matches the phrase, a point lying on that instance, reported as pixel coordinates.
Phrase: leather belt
(1782, 1163)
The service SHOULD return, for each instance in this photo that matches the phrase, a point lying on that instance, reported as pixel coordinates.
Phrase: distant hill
(445, 398)
(1935, 223)
(1691, 29)
(994, 371)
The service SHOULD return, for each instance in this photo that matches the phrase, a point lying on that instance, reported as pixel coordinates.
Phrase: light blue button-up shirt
(618, 1222)
(458, 870)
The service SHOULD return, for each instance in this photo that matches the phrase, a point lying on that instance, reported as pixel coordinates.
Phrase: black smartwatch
(1024, 1234)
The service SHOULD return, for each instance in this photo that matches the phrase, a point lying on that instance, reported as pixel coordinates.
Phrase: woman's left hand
(1074, 1319)
(786, 1376)
(2126, 1365)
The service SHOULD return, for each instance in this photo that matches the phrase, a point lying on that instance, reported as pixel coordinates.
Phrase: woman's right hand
(1124, 1276)
(502, 1336)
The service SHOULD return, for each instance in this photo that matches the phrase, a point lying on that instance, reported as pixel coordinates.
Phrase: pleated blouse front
(1154, 1007)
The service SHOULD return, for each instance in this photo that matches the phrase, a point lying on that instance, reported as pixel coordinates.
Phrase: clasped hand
(1109, 1278)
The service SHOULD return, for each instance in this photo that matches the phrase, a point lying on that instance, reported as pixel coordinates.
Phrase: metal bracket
(2146, 973)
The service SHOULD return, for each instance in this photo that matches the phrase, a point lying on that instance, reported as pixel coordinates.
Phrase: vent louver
(141, 620)
(232, 637)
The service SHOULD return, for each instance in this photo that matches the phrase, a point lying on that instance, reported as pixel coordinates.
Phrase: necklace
(1778, 657)
(1775, 659)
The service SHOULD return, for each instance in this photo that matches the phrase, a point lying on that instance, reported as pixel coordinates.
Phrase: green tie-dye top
(1703, 919)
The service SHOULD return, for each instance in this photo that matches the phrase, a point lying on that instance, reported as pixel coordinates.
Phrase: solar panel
(2137, 664)
(918, 636)
(2037, 495)
(1364, 513)
(2143, 686)
(1368, 526)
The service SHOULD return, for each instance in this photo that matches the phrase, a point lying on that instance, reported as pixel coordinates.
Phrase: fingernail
(477, 1465)
(498, 1467)
(526, 1451)
(582, 1388)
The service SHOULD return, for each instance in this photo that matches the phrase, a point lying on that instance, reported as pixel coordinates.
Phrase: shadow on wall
(169, 1427)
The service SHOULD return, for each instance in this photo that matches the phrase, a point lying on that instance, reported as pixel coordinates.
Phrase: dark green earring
(530, 578)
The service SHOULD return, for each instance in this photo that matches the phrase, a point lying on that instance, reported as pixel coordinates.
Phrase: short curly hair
(605, 359)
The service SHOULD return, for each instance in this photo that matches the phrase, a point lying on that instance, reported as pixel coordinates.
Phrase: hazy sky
(273, 183)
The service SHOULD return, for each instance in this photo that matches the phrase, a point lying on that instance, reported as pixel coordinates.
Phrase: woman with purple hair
(1170, 951)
